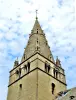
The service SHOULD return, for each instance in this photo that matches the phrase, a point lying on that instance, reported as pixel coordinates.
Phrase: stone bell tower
(38, 76)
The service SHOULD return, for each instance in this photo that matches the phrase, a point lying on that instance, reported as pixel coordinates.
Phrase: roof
(67, 95)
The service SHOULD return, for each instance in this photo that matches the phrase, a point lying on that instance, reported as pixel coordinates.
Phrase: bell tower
(38, 76)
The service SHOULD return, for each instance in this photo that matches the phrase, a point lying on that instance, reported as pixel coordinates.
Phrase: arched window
(19, 72)
(53, 88)
(55, 72)
(72, 97)
(28, 65)
(20, 86)
(25, 67)
(47, 67)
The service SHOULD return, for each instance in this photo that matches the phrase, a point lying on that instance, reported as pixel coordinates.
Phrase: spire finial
(36, 14)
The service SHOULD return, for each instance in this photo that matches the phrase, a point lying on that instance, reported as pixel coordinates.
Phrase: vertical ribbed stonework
(37, 43)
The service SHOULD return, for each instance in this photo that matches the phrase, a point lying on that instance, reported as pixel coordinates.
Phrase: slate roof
(67, 95)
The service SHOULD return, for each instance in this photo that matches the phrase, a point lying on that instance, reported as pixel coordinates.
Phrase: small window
(37, 40)
(53, 88)
(20, 86)
(37, 47)
(37, 31)
(71, 97)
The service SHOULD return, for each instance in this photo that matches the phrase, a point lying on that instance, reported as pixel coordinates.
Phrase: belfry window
(53, 88)
(25, 67)
(19, 72)
(28, 65)
(55, 73)
(47, 68)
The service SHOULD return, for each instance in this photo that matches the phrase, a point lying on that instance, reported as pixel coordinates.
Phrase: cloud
(57, 19)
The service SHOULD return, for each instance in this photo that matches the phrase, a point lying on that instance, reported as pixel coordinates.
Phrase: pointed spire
(37, 27)
(37, 42)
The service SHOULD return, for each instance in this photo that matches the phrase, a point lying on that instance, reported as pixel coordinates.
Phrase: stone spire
(37, 43)
(37, 27)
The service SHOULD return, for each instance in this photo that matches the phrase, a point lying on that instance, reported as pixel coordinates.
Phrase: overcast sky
(58, 20)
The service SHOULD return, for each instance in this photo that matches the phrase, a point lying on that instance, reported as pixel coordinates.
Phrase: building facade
(38, 76)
